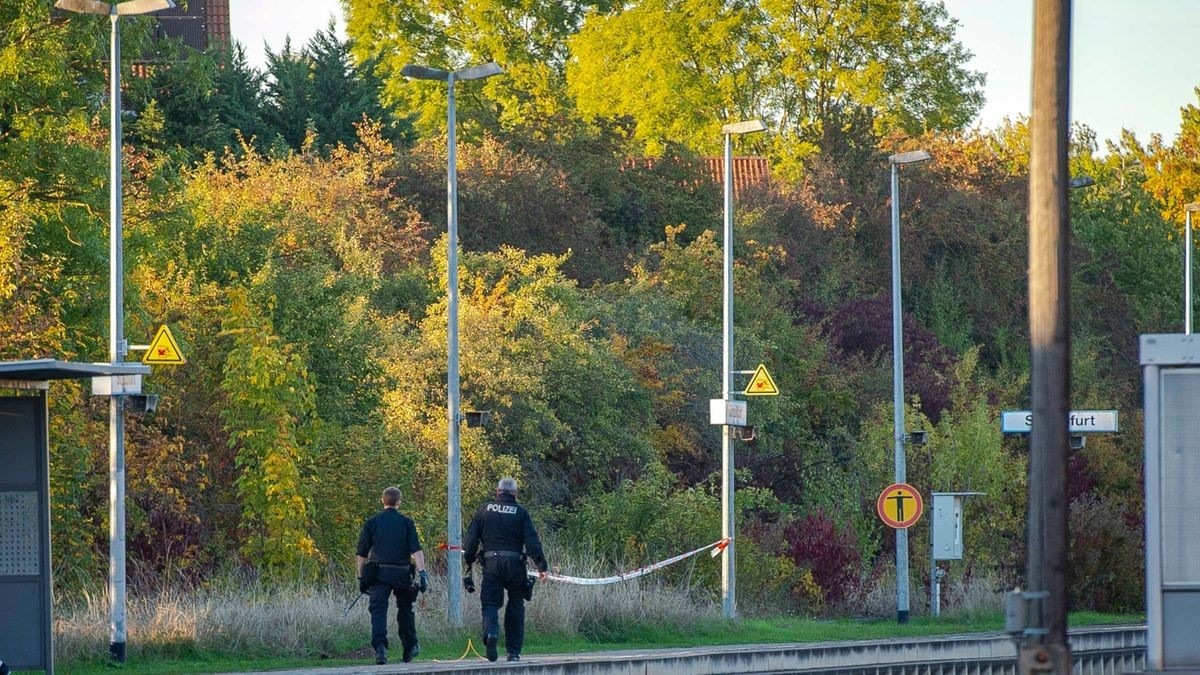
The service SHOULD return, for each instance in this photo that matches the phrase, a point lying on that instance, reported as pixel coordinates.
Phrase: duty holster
(370, 573)
(529, 582)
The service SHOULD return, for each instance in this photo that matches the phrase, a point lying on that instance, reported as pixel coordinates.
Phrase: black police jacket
(389, 537)
(503, 525)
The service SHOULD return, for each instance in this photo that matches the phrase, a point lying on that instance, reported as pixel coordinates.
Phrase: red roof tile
(748, 172)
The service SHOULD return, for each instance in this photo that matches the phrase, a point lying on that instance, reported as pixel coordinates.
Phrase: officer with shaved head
(504, 531)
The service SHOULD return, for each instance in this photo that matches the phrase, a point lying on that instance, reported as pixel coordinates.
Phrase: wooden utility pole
(1046, 648)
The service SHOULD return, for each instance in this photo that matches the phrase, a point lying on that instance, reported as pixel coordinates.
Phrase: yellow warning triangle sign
(761, 384)
(163, 349)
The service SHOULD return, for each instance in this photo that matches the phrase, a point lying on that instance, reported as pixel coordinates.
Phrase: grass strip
(598, 637)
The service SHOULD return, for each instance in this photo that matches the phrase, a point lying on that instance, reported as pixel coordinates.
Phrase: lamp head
(134, 7)
(473, 73)
(748, 127)
(84, 6)
(422, 73)
(1192, 208)
(478, 72)
(130, 8)
(1081, 182)
(910, 157)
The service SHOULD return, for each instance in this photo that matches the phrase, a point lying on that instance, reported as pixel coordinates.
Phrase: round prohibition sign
(899, 505)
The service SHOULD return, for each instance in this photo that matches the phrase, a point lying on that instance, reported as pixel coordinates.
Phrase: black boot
(490, 641)
(380, 655)
(514, 657)
(410, 654)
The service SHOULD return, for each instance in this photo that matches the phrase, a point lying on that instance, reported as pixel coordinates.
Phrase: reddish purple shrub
(833, 557)
(1080, 480)
(864, 327)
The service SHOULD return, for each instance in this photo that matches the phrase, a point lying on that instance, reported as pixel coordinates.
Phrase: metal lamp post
(453, 475)
(117, 346)
(728, 595)
(1189, 209)
(898, 435)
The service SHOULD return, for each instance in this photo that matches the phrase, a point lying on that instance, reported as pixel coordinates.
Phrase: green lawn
(713, 632)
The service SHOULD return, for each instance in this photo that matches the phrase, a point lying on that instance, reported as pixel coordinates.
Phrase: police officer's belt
(400, 566)
(506, 554)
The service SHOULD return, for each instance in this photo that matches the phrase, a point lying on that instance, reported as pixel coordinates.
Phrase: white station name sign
(1078, 422)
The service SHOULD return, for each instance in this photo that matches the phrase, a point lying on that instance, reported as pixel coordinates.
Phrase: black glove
(424, 580)
(469, 583)
(363, 586)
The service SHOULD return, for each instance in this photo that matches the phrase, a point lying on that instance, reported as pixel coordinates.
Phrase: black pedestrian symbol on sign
(899, 498)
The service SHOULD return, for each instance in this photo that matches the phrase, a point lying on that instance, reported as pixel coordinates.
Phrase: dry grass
(251, 619)
(975, 596)
(242, 614)
(962, 598)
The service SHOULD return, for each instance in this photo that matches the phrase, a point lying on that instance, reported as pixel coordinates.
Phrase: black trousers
(504, 574)
(393, 582)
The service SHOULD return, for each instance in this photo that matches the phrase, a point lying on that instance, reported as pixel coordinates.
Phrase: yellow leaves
(268, 397)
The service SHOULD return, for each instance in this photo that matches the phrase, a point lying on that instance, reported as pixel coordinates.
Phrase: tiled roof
(748, 172)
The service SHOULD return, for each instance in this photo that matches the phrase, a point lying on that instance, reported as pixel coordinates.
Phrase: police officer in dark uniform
(506, 533)
(387, 547)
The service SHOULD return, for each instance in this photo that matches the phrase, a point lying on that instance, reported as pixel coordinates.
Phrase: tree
(526, 37)
(1173, 171)
(680, 68)
(181, 88)
(677, 69)
(239, 94)
(289, 94)
(344, 94)
(896, 57)
(268, 401)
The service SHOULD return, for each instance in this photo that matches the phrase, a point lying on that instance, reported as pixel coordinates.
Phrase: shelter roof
(41, 370)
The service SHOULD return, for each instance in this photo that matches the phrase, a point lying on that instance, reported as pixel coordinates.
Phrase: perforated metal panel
(20, 545)
(1180, 476)
(26, 640)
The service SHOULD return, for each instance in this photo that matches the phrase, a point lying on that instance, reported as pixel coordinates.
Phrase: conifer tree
(239, 94)
(288, 94)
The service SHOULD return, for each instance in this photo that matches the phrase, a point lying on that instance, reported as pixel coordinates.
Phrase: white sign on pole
(1078, 422)
(728, 412)
(116, 385)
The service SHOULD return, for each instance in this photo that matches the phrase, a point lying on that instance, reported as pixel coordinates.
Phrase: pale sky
(1135, 63)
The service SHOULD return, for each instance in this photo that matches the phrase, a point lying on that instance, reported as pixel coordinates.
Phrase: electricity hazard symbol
(761, 384)
(163, 349)
(899, 505)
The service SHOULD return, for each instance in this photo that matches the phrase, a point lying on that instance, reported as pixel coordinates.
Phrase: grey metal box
(947, 526)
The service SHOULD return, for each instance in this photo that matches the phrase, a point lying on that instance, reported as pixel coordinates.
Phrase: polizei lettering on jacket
(502, 508)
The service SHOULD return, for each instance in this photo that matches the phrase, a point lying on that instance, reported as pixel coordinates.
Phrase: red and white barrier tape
(716, 546)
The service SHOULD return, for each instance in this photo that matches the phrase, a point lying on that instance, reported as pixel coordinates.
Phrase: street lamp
(1189, 209)
(898, 435)
(117, 346)
(728, 596)
(453, 476)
